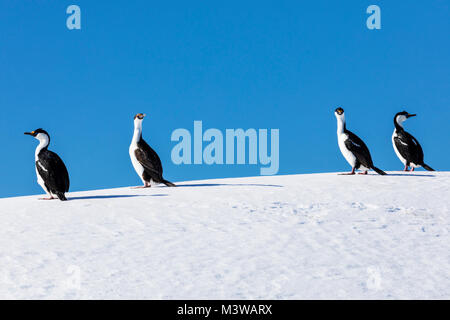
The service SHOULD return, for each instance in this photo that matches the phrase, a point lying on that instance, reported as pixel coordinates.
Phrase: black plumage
(408, 146)
(151, 162)
(359, 149)
(145, 160)
(353, 148)
(51, 170)
(54, 173)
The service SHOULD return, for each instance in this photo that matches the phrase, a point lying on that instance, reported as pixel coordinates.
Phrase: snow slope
(280, 237)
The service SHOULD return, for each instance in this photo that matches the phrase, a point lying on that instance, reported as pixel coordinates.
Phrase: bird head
(39, 134)
(401, 117)
(140, 116)
(339, 113)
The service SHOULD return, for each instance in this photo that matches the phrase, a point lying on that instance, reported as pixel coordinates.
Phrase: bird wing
(408, 147)
(148, 158)
(359, 149)
(53, 171)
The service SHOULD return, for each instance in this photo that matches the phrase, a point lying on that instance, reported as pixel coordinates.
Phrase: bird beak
(411, 115)
(29, 133)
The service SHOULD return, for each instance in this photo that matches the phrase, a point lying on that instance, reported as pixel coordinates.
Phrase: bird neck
(44, 141)
(341, 127)
(137, 131)
(398, 124)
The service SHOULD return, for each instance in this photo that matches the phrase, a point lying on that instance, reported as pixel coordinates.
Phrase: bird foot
(363, 173)
(51, 198)
(140, 187)
(347, 174)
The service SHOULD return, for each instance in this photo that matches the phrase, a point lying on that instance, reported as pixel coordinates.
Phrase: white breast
(394, 135)
(40, 181)
(348, 155)
(137, 166)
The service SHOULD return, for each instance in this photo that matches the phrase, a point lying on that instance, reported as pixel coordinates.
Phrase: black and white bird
(51, 172)
(407, 147)
(145, 160)
(353, 148)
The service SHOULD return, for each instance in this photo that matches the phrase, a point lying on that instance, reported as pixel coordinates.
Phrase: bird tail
(379, 171)
(426, 167)
(61, 196)
(168, 183)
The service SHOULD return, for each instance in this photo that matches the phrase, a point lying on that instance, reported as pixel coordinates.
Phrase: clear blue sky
(231, 64)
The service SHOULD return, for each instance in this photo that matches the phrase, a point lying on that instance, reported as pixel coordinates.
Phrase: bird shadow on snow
(226, 184)
(389, 175)
(410, 175)
(117, 196)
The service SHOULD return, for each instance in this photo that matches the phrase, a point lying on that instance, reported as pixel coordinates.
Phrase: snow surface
(320, 236)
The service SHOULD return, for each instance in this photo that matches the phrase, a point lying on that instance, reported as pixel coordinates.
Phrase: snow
(318, 236)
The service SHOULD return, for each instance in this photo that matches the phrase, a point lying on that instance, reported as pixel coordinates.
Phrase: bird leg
(350, 173)
(146, 185)
(406, 168)
(412, 169)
